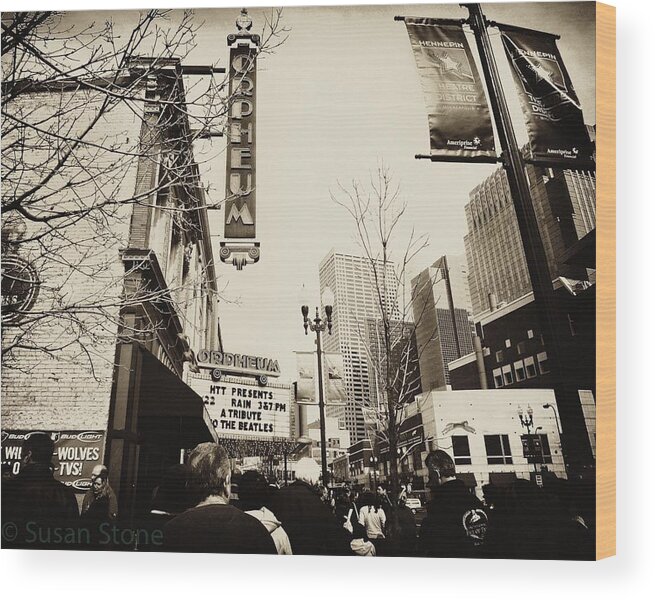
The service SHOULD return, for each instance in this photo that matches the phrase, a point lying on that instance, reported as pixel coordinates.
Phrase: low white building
(482, 431)
(337, 439)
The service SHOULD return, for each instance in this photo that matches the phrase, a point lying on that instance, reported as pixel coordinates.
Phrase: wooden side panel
(606, 280)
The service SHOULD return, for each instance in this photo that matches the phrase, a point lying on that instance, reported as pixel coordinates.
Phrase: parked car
(413, 504)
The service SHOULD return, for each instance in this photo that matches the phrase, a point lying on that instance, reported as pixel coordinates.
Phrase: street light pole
(318, 326)
(514, 165)
(559, 429)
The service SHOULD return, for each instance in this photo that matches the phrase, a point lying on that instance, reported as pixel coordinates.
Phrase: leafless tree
(377, 210)
(73, 96)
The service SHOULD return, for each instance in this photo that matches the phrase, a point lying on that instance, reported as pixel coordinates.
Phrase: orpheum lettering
(240, 176)
(245, 362)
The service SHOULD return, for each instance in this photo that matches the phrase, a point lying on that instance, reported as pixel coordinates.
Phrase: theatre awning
(170, 412)
(468, 478)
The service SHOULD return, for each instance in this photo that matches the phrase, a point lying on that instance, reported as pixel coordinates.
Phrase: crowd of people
(203, 506)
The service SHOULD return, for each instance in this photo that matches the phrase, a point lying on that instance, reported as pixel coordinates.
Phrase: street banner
(458, 113)
(306, 386)
(552, 111)
(240, 175)
(336, 390)
(73, 459)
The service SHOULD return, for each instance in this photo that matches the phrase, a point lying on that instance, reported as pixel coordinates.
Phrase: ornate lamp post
(528, 423)
(374, 460)
(318, 325)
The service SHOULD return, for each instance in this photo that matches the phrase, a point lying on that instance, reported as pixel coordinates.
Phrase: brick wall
(65, 383)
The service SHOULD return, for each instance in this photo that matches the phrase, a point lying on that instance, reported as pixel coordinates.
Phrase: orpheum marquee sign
(241, 408)
(222, 363)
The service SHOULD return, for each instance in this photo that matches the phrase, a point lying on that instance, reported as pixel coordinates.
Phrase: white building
(337, 439)
(482, 431)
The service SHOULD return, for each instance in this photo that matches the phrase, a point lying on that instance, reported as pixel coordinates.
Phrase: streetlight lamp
(528, 423)
(374, 465)
(559, 430)
(318, 326)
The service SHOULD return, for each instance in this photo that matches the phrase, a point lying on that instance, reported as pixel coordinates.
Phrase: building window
(519, 369)
(499, 356)
(461, 449)
(508, 343)
(521, 348)
(530, 334)
(542, 359)
(508, 376)
(498, 378)
(530, 369)
(498, 451)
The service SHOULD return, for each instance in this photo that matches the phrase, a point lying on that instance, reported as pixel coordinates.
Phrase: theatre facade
(99, 327)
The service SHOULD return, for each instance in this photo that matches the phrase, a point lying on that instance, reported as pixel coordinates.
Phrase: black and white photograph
(301, 280)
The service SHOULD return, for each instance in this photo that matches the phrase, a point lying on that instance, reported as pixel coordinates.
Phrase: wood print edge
(606, 281)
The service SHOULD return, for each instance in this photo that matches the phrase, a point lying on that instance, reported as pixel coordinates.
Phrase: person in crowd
(310, 524)
(532, 523)
(373, 518)
(173, 495)
(360, 544)
(384, 500)
(341, 504)
(99, 504)
(349, 515)
(34, 495)
(213, 525)
(456, 521)
(253, 498)
(401, 530)
(170, 498)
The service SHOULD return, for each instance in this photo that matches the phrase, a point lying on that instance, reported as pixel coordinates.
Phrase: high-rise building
(565, 206)
(352, 279)
(441, 305)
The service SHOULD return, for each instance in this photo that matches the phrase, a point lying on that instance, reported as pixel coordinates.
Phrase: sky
(340, 97)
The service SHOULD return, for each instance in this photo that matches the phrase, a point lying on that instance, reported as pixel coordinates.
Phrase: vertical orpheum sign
(240, 247)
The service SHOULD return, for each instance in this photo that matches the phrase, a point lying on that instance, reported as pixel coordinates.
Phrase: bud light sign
(75, 454)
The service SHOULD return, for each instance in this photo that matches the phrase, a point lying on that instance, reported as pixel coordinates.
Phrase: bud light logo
(5, 435)
(89, 436)
(82, 484)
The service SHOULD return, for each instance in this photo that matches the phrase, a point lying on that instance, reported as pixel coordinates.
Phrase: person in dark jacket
(99, 504)
(456, 521)
(401, 530)
(173, 495)
(213, 525)
(309, 522)
(34, 501)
